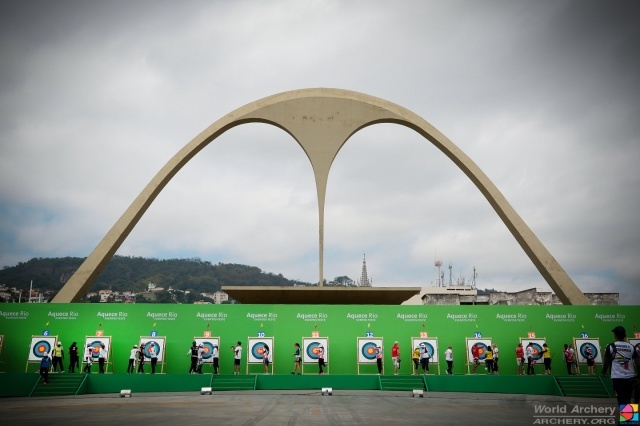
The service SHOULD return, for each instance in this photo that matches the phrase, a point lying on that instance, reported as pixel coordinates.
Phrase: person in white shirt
(216, 359)
(425, 356)
(153, 355)
(131, 368)
(237, 357)
(495, 358)
(102, 357)
(88, 358)
(530, 361)
(448, 356)
(618, 357)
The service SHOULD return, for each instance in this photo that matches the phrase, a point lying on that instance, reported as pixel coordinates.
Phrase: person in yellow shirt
(58, 356)
(488, 359)
(415, 356)
(546, 357)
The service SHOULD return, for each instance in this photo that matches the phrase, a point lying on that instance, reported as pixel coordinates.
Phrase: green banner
(341, 326)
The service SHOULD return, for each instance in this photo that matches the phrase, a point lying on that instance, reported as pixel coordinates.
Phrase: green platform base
(27, 384)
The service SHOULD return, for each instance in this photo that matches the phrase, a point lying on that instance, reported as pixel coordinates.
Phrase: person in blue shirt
(45, 364)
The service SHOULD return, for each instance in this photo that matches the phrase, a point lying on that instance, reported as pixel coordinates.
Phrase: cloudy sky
(95, 97)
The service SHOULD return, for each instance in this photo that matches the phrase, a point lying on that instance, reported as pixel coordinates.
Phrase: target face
(310, 348)
(41, 345)
(257, 348)
(157, 343)
(536, 345)
(207, 346)
(430, 343)
(581, 346)
(482, 345)
(95, 342)
(367, 350)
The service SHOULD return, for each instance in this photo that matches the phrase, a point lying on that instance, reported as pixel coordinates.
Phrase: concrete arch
(321, 121)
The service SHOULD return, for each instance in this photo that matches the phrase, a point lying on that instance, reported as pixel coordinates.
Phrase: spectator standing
(448, 356)
(74, 357)
(58, 356)
(237, 357)
(45, 364)
(379, 359)
(520, 359)
(619, 358)
(131, 368)
(395, 357)
(102, 358)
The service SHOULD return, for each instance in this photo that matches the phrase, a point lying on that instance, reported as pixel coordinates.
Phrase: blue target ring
(482, 350)
(41, 348)
(312, 350)
(537, 351)
(207, 350)
(257, 350)
(148, 345)
(583, 350)
(95, 349)
(369, 350)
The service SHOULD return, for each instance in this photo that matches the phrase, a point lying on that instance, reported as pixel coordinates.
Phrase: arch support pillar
(321, 121)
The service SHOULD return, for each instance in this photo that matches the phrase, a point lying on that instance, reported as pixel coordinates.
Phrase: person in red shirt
(475, 353)
(520, 359)
(395, 356)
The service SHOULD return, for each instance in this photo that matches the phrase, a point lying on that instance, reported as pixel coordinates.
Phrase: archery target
(257, 347)
(310, 347)
(367, 350)
(157, 343)
(94, 342)
(430, 343)
(482, 348)
(581, 346)
(41, 345)
(536, 345)
(207, 345)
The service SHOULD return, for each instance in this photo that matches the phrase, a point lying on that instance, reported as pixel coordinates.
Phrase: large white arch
(321, 121)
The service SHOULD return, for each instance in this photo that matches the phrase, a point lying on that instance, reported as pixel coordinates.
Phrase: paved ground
(306, 408)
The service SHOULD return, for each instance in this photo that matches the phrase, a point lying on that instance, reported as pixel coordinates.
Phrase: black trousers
(131, 368)
(450, 367)
(73, 363)
(216, 365)
(154, 361)
(623, 388)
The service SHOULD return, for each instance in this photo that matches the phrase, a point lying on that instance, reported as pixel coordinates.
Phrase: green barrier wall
(287, 324)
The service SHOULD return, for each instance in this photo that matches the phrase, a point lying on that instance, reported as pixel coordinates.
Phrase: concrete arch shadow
(321, 121)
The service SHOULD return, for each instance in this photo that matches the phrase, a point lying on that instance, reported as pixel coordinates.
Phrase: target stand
(95, 342)
(255, 352)
(40, 345)
(310, 349)
(366, 355)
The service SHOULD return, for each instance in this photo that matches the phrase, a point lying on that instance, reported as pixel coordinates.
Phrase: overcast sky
(95, 97)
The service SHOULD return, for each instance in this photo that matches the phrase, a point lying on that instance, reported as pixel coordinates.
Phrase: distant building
(219, 297)
(467, 295)
(364, 280)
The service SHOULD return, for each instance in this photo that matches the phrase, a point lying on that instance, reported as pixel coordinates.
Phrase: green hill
(134, 273)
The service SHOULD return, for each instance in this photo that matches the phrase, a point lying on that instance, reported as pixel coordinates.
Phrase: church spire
(364, 279)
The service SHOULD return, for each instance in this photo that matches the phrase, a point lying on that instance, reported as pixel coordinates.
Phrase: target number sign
(311, 347)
